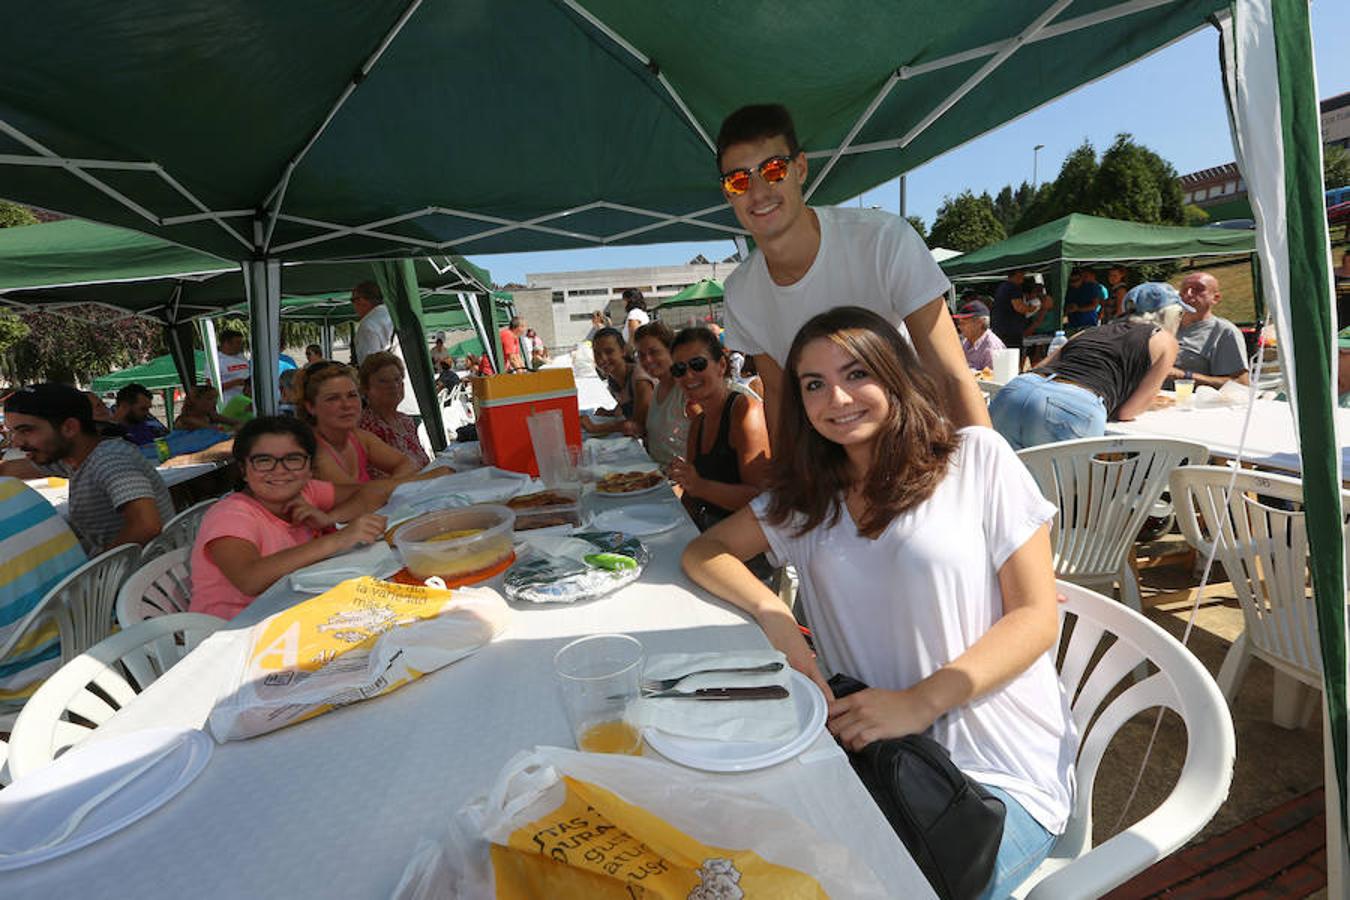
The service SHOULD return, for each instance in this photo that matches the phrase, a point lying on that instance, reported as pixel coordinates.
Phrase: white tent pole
(212, 355)
(262, 278)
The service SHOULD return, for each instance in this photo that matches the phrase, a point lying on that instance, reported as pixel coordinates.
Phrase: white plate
(660, 485)
(746, 756)
(36, 805)
(640, 518)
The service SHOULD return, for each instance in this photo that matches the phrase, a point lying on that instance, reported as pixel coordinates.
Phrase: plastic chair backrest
(1104, 489)
(160, 587)
(118, 668)
(180, 531)
(82, 602)
(1089, 624)
(1263, 545)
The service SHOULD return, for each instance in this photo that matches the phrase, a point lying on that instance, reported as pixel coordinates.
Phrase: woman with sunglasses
(346, 452)
(727, 458)
(924, 556)
(280, 521)
(667, 424)
(629, 385)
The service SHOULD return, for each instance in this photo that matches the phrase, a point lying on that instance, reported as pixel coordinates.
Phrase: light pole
(1035, 158)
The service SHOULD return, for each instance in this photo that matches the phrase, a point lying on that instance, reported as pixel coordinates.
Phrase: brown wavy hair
(314, 375)
(810, 475)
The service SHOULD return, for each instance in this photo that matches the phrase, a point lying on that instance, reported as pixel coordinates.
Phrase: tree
(966, 223)
(79, 344)
(1137, 185)
(1193, 216)
(12, 214)
(1071, 191)
(917, 224)
(1335, 166)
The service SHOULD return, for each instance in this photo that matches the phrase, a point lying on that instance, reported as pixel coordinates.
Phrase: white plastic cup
(1007, 363)
(549, 441)
(600, 679)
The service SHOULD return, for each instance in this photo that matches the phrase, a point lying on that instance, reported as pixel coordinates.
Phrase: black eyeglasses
(291, 462)
(772, 170)
(697, 364)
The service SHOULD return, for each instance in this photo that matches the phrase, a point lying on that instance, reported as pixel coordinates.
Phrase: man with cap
(116, 496)
(978, 342)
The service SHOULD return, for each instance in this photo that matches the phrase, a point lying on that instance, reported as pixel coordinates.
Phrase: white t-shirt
(232, 367)
(941, 561)
(375, 332)
(635, 315)
(867, 258)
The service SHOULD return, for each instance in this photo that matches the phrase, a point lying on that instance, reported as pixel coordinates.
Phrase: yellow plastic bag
(585, 826)
(361, 639)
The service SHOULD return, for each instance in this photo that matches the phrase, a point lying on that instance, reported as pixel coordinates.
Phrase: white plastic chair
(88, 690)
(180, 531)
(160, 587)
(1104, 489)
(1264, 551)
(82, 603)
(1075, 869)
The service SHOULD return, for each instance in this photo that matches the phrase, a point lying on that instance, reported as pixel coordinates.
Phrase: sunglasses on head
(697, 364)
(772, 170)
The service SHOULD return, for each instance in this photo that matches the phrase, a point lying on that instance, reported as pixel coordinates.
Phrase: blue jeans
(1025, 846)
(1032, 409)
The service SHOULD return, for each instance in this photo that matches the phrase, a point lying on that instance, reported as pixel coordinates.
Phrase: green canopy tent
(158, 374)
(1056, 246)
(701, 293)
(246, 131)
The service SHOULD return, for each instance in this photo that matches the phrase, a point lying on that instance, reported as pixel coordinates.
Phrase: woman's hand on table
(873, 715)
(365, 529)
(632, 429)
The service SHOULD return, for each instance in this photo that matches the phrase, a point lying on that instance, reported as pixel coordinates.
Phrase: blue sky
(1172, 102)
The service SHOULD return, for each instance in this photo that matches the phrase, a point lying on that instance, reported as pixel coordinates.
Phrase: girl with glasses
(727, 458)
(280, 521)
(924, 558)
(628, 384)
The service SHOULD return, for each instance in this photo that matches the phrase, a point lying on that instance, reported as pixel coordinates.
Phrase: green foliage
(80, 344)
(966, 223)
(917, 223)
(12, 330)
(12, 214)
(1193, 215)
(1009, 204)
(1335, 166)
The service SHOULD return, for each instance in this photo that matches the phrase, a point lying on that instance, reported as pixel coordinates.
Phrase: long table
(334, 806)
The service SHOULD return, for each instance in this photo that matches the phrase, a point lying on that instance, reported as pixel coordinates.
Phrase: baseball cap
(1152, 296)
(971, 309)
(53, 402)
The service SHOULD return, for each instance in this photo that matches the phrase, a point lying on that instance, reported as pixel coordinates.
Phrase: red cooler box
(502, 403)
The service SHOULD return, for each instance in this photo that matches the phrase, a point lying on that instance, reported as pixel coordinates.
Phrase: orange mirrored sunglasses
(772, 170)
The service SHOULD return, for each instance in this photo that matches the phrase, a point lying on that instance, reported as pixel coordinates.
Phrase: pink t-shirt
(240, 515)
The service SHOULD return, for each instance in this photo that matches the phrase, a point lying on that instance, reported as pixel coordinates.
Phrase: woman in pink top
(281, 521)
(346, 453)
(381, 376)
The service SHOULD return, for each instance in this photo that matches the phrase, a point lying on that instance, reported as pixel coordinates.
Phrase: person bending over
(281, 519)
(924, 556)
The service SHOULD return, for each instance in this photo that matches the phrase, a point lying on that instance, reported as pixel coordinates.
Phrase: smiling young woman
(924, 558)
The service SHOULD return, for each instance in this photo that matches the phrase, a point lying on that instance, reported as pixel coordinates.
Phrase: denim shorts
(1035, 409)
(1025, 846)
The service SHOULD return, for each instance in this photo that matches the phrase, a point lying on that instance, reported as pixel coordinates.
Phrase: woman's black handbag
(949, 823)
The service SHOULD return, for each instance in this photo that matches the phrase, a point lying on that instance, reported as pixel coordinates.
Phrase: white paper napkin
(486, 485)
(377, 560)
(719, 720)
(602, 450)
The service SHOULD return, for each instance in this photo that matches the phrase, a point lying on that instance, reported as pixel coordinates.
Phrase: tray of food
(583, 566)
(630, 483)
(546, 509)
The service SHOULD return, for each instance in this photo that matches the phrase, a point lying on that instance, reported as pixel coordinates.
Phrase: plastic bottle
(1059, 340)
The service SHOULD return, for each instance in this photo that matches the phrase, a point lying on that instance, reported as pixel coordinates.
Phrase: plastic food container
(457, 544)
(546, 509)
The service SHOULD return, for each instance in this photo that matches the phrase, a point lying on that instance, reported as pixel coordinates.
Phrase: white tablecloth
(333, 807)
(1271, 442)
(59, 496)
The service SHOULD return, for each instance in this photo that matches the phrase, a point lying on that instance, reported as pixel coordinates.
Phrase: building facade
(574, 296)
(1213, 186)
(1336, 120)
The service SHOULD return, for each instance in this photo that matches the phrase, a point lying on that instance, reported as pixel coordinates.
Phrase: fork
(651, 685)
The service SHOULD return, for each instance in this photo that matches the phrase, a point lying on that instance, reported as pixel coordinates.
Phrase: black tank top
(1110, 360)
(721, 462)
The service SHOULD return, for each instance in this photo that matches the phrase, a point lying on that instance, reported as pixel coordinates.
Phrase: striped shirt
(110, 477)
(37, 549)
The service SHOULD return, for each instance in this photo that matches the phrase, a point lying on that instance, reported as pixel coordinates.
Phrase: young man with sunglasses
(808, 260)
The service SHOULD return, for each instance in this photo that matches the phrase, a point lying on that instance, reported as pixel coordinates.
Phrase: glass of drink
(1185, 391)
(599, 676)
